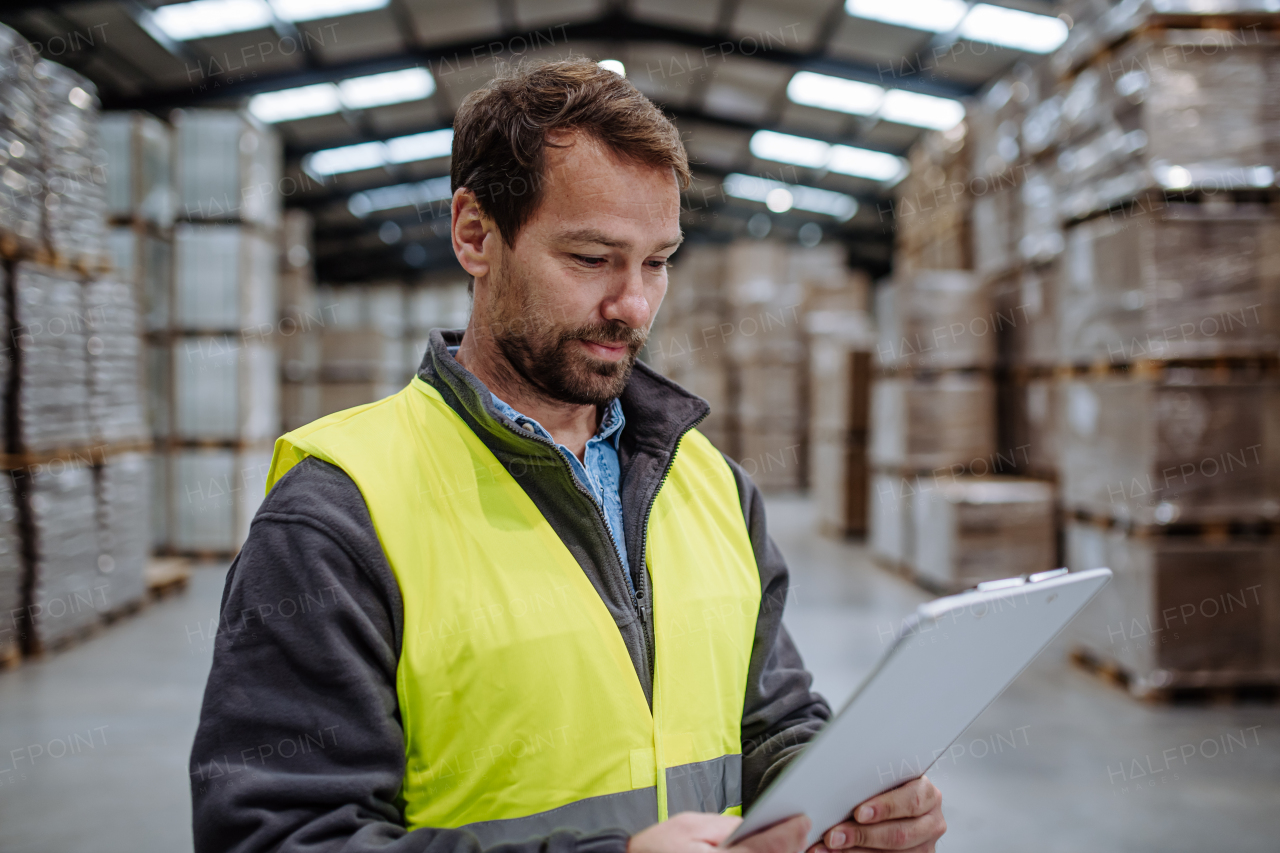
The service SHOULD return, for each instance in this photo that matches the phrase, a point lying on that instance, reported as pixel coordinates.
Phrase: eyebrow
(594, 235)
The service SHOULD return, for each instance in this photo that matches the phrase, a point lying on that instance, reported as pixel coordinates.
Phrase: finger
(785, 837)
(915, 798)
(708, 828)
(901, 834)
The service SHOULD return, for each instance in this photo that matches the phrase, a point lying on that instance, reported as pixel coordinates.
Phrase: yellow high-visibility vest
(521, 708)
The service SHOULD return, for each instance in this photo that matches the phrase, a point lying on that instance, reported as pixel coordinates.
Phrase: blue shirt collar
(610, 428)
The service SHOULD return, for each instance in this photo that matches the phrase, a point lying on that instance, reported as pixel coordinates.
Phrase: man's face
(572, 301)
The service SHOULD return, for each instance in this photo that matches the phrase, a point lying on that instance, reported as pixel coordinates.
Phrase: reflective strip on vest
(521, 708)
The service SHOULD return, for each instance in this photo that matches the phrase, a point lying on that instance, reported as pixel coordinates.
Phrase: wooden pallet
(1259, 690)
(71, 456)
(10, 656)
(167, 576)
(1205, 531)
(1254, 367)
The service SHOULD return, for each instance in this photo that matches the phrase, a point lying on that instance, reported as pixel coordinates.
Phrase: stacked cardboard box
(1145, 369)
(932, 208)
(840, 364)
(689, 338)
(362, 344)
(224, 351)
(433, 304)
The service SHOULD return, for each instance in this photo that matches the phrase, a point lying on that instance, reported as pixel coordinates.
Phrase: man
(499, 608)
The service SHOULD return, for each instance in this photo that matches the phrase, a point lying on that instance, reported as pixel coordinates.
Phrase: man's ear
(474, 234)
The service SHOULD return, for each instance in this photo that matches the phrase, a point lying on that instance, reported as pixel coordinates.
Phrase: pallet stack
(301, 319)
(942, 501)
(224, 349)
(362, 345)
(74, 505)
(1151, 153)
(688, 343)
(434, 303)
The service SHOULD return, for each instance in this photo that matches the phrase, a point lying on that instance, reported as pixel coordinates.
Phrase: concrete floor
(94, 741)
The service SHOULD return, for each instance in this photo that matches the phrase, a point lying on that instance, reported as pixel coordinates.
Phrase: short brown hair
(500, 132)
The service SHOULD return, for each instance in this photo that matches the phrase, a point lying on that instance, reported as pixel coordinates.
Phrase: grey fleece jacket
(300, 745)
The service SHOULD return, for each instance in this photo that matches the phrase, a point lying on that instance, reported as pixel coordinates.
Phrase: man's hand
(908, 818)
(692, 832)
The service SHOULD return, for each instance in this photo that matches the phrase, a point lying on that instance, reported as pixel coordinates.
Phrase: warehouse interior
(974, 290)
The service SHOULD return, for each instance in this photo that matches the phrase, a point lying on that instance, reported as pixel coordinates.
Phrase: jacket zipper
(613, 543)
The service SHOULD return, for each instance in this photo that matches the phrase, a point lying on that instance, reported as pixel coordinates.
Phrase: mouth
(609, 352)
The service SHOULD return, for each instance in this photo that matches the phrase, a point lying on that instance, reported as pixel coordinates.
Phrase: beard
(547, 354)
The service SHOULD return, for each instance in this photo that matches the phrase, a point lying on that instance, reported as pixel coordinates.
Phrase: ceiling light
(204, 18)
(1014, 28)
(393, 87)
(834, 93)
(613, 65)
(815, 200)
(310, 10)
(921, 110)
(779, 200)
(816, 154)
(937, 16)
(291, 104)
(785, 148)
(371, 155)
(417, 194)
(348, 158)
(851, 96)
(861, 163)
(420, 146)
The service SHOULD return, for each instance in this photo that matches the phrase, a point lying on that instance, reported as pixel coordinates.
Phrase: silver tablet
(948, 662)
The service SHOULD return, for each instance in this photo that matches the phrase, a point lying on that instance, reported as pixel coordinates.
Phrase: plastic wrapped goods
(891, 537)
(937, 319)
(1030, 415)
(116, 391)
(21, 175)
(75, 200)
(1191, 448)
(11, 571)
(68, 589)
(139, 158)
(50, 337)
(225, 280)
(838, 477)
(145, 260)
(227, 167)
(1180, 612)
(124, 534)
(212, 497)
(974, 529)
(1194, 282)
(225, 389)
(934, 422)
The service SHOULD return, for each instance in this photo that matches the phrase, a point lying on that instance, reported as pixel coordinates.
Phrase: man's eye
(660, 263)
(590, 260)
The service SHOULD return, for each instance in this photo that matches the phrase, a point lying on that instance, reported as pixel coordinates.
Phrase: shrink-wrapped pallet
(997, 220)
(68, 590)
(1180, 612)
(971, 529)
(213, 495)
(139, 158)
(50, 338)
(225, 389)
(1196, 282)
(932, 422)
(115, 348)
(21, 175)
(124, 519)
(1190, 448)
(1026, 310)
(930, 212)
(936, 319)
(1175, 109)
(145, 261)
(226, 167)
(225, 280)
(75, 199)
(11, 572)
